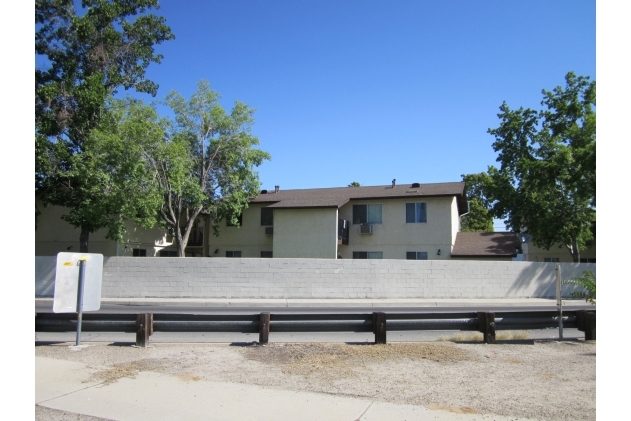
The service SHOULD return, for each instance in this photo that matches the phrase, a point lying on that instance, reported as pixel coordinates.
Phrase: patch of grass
(462, 337)
(505, 335)
(130, 370)
(512, 335)
(342, 360)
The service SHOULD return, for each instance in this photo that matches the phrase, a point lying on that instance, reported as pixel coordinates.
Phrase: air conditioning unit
(269, 230)
(365, 229)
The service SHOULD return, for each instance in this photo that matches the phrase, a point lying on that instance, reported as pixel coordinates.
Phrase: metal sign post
(78, 285)
(82, 262)
(559, 301)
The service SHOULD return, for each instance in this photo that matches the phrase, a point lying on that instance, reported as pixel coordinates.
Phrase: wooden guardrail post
(486, 325)
(264, 328)
(144, 328)
(379, 327)
(586, 322)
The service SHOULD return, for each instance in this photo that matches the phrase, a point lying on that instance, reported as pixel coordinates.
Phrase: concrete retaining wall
(162, 277)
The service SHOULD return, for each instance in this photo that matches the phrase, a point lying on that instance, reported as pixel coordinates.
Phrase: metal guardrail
(379, 323)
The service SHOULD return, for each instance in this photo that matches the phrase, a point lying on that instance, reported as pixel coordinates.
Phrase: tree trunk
(576, 253)
(183, 238)
(83, 240)
(181, 246)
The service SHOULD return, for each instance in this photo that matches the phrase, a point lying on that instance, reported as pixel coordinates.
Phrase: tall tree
(120, 155)
(206, 164)
(546, 183)
(87, 59)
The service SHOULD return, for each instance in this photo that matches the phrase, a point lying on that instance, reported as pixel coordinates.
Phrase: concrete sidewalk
(316, 302)
(69, 386)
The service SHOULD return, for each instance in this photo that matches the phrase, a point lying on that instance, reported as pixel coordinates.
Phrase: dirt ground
(544, 380)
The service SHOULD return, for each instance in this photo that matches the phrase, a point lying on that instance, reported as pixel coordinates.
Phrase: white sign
(67, 282)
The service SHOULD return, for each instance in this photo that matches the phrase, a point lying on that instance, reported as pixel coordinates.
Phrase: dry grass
(125, 370)
(506, 335)
(335, 360)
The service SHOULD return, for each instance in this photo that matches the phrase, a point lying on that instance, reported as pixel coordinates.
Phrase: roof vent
(394, 182)
(276, 188)
(416, 184)
(263, 191)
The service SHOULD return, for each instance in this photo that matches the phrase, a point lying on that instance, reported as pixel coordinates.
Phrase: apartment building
(397, 221)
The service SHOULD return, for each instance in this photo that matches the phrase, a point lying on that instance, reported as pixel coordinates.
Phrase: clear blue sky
(369, 91)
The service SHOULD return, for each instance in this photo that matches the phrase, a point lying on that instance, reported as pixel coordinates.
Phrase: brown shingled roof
(338, 196)
(486, 244)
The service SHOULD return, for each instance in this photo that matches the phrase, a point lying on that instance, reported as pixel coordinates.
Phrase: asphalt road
(47, 307)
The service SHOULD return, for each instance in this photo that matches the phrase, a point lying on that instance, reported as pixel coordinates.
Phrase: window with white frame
(367, 255)
(233, 254)
(366, 214)
(415, 212)
(416, 255)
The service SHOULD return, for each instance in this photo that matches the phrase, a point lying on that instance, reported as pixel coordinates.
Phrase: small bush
(588, 283)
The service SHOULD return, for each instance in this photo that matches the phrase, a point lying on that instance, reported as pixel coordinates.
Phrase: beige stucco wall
(533, 253)
(394, 237)
(249, 238)
(310, 233)
(54, 235)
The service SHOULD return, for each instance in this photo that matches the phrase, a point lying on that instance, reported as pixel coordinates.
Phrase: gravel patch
(544, 380)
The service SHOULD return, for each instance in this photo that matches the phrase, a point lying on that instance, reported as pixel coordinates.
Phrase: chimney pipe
(276, 188)
(394, 182)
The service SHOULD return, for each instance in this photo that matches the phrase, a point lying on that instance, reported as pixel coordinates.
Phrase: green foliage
(89, 58)
(479, 218)
(354, 184)
(205, 162)
(546, 183)
(588, 283)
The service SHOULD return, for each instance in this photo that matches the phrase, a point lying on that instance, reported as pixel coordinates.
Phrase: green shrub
(588, 283)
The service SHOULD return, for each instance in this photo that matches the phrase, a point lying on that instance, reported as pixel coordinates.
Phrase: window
(267, 217)
(239, 220)
(140, 252)
(415, 212)
(416, 255)
(233, 254)
(551, 259)
(367, 255)
(267, 254)
(168, 253)
(587, 260)
(366, 214)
